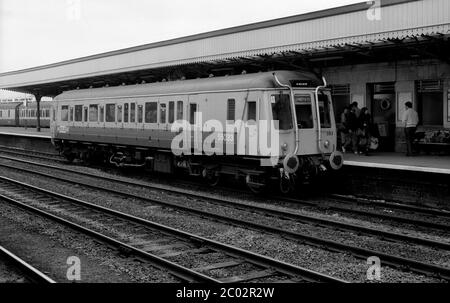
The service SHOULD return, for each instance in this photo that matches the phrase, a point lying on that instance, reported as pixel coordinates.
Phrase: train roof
(33, 105)
(238, 82)
(9, 105)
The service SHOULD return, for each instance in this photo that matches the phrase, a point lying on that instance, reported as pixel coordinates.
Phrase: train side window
(85, 114)
(93, 113)
(78, 113)
(125, 112)
(162, 113)
(171, 111)
(47, 113)
(231, 106)
(119, 113)
(151, 112)
(64, 113)
(9, 113)
(132, 112)
(101, 113)
(110, 113)
(140, 113)
(192, 111)
(71, 114)
(251, 111)
(180, 110)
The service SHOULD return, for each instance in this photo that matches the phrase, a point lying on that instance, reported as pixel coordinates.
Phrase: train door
(151, 121)
(304, 110)
(247, 137)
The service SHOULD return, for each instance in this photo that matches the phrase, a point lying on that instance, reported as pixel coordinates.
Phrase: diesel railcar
(264, 128)
(9, 113)
(27, 114)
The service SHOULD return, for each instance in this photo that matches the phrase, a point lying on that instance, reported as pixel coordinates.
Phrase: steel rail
(266, 210)
(399, 262)
(28, 270)
(256, 259)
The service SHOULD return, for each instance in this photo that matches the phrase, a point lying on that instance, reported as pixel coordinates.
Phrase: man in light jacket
(410, 121)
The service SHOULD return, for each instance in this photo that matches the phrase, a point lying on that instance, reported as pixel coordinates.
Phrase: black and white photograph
(224, 151)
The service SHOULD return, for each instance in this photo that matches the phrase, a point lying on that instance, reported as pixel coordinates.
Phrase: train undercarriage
(211, 169)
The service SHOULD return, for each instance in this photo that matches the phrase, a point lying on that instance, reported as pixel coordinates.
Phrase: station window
(171, 111)
(132, 112)
(162, 113)
(102, 113)
(93, 113)
(85, 115)
(125, 112)
(110, 113)
(180, 110)
(119, 113)
(192, 111)
(281, 111)
(151, 112)
(71, 114)
(251, 111)
(231, 109)
(78, 113)
(140, 113)
(64, 113)
(303, 111)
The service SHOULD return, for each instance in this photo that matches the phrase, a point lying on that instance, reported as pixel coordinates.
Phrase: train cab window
(64, 113)
(231, 109)
(140, 113)
(303, 111)
(47, 113)
(110, 113)
(125, 112)
(151, 112)
(71, 114)
(281, 111)
(132, 112)
(78, 113)
(93, 113)
(171, 111)
(162, 113)
(119, 113)
(324, 110)
(192, 111)
(85, 114)
(251, 111)
(180, 110)
(101, 115)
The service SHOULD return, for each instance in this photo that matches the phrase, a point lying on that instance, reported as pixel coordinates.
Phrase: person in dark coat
(352, 125)
(364, 124)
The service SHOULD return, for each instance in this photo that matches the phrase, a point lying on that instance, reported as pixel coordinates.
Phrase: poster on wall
(448, 106)
(402, 98)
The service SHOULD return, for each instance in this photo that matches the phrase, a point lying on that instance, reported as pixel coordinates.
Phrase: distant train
(134, 126)
(16, 114)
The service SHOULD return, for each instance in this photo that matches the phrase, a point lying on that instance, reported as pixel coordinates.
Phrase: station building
(379, 54)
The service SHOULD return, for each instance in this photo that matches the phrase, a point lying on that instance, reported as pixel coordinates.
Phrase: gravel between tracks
(337, 264)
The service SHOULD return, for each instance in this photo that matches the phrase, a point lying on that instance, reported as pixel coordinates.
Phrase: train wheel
(212, 177)
(285, 184)
(257, 188)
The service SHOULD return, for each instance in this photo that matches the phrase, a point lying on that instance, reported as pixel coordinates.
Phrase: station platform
(399, 161)
(25, 132)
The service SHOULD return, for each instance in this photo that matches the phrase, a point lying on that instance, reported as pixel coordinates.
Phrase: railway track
(154, 242)
(30, 272)
(32, 154)
(388, 259)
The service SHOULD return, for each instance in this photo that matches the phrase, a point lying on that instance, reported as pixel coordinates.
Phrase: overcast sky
(34, 33)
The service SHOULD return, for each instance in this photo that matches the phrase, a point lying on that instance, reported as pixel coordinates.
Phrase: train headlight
(284, 147)
(326, 144)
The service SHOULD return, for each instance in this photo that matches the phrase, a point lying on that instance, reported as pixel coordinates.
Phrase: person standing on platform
(352, 125)
(345, 135)
(356, 109)
(364, 121)
(410, 120)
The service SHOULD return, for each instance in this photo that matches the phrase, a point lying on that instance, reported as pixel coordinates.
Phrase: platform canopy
(341, 36)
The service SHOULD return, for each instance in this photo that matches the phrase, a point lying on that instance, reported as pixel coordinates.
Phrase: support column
(38, 112)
